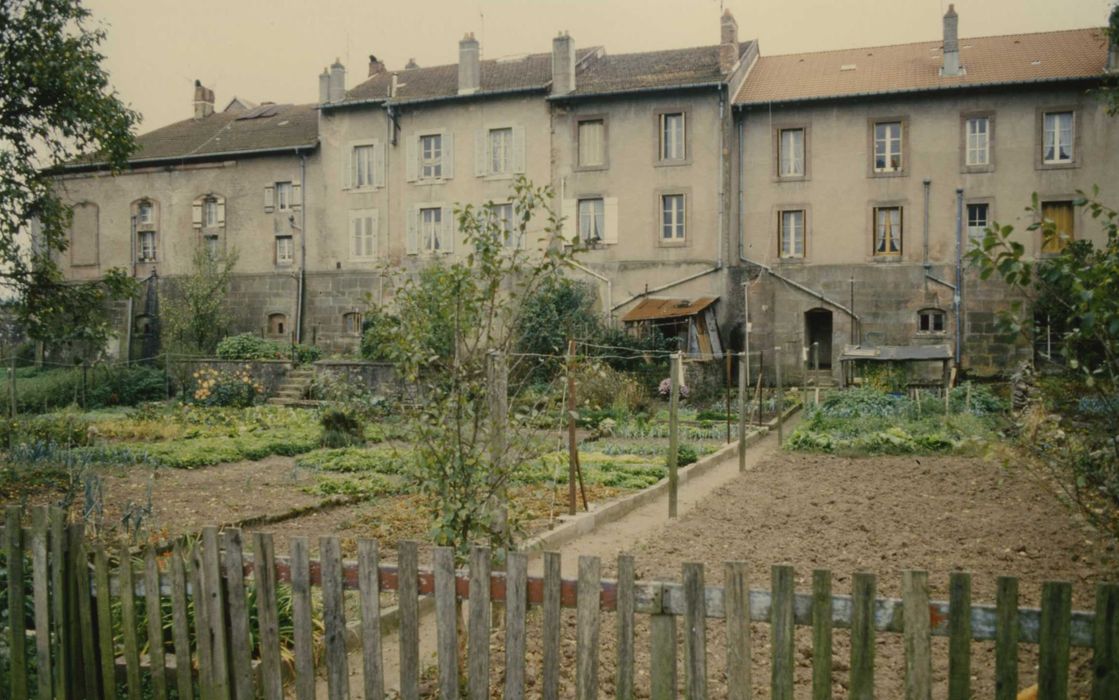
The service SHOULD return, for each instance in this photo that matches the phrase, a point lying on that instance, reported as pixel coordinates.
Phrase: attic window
(1035, 63)
(261, 112)
(847, 67)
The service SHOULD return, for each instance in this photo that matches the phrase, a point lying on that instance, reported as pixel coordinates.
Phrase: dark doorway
(817, 329)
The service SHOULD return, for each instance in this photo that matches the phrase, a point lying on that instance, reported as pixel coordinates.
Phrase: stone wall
(269, 373)
(377, 377)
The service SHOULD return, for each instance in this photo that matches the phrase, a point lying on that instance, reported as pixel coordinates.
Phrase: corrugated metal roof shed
(659, 309)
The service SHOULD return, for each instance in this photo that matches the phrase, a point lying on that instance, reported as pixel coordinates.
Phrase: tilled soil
(883, 515)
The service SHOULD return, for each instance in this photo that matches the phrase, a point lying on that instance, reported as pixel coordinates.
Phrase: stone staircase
(293, 390)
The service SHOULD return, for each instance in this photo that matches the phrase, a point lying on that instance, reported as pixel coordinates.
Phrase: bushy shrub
(665, 389)
(127, 386)
(685, 455)
(340, 429)
(598, 386)
(213, 387)
(65, 428)
(45, 390)
(246, 346)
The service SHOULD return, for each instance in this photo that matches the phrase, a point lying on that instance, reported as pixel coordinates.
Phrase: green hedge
(47, 390)
(247, 346)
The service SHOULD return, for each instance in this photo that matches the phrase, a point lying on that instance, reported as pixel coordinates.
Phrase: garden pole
(727, 392)
(780, 397)
(572, 450)
(742, 412)
(12, 387)
(499, 423)
(758, 390)
(816, 368)
(673, 428)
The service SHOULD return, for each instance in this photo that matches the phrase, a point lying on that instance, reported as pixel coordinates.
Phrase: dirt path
(607, 543)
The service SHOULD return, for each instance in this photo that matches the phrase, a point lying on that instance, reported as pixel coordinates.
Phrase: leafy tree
(449, 320)
(56, 106)
(1110, 90)
(195, 316)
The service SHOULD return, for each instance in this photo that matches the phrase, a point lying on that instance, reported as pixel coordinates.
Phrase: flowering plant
(214, 387)
(666, 388)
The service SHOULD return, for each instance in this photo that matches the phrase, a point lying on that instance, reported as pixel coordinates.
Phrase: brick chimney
(203, 101)
(563, 64)
(375, 66)
(951, 65)
(324, 86)
(337, 81)
(469, 66)
(728, 42)
(411, 64)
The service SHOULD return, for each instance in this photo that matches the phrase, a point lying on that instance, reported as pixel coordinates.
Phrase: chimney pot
(728, 42)
(563, 64)
(203, 100)
(469, 65)
(324, 86)
(375, 66)
(951, 66)
(337, 81)
(411, 64)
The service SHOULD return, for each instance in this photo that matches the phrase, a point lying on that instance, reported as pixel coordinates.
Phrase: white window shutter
(412, 242)
(518, 149)
(196, 214)
(296, 194)
(570, 212)
(412, 164)
(269, 198)
(448, 155)
(481, 161)
(448, 232)
(355, 236)
(372, 239)
(348, 167)
(610, 219)
(221, 211)
(378, 164)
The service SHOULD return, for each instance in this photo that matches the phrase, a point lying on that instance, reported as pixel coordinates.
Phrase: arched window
(145, 222)
(930, 321)
(351, 323)
(277, 324)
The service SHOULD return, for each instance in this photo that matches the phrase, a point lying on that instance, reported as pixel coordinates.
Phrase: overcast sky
(275, 49)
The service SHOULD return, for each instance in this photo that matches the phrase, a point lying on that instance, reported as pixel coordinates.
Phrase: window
(501, 151)
(277, 324)
(887, 147)
(1057, 137)
(672, 145)
(887, 231)
(930, 321)
(145, 213)
(146, 252)
(431, 229)
(285, 250)
(592, 143)
(791, 159)
(212, 245)
(363, 235)
(351, 323)
(503, 219)
(209, 212)
(592, 219)
(431, 157)
(283, 196)
(978, 147)
(362, 175)
(791, 233)
(672, 217)
(1061, 215)
(978, 218)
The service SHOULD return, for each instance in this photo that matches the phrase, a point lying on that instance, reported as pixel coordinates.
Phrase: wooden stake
(780, 404)
(572, 450)
(727, 393)
(673, 431)
(499, 424)
(742, 371)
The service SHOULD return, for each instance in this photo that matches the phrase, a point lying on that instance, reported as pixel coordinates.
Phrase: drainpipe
(301, 281)
(609, 288)
(957, 298)
(722, 177)
(131, 266)
(663, 287)
(927, 183)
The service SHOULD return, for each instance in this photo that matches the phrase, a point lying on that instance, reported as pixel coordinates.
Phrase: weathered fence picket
(217, 652)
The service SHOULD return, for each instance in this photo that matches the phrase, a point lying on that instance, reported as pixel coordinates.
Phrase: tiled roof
(287, 126)
(530, 72)
(993, 60)
(651, 70)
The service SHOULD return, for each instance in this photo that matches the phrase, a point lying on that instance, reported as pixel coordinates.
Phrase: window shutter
(196, 214)
(481, 163)
(221, 211)
(269, 198)
(296, 195)
(449, 229)
(684, 135)
(372, 237)
(570, 219)
(518, 149)
(413, 158)
(378, 164)
(349, 165)
(355, 236)
(411, 243)
(610, 219)
(448, 155)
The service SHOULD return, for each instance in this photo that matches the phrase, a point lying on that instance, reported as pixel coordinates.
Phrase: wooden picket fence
(73, 585)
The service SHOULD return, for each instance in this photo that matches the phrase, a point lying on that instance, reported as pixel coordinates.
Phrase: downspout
(663, 287)
(301, 281)
(131, 266)
(957, 298)
(928, 265)
(723, 233)
(609, 288)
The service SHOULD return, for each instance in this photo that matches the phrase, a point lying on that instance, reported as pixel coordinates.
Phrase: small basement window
(277, 324)
(351, 323)
(930, 321)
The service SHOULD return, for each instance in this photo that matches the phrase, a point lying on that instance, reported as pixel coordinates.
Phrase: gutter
(102, 165)
(669, 285)
(434, 99)
(633, 91)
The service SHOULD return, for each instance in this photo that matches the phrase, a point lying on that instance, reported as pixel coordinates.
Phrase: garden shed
(914, 358)
(692, 322)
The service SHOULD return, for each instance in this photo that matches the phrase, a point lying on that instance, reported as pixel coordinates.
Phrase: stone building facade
(821, 186)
